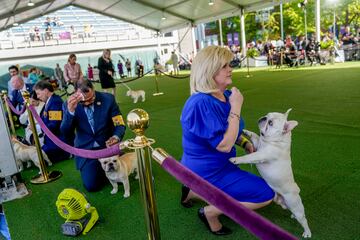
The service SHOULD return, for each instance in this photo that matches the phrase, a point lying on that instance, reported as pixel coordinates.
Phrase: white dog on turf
(273, 161)
(118, 169)
(25, 153)
(136, 94)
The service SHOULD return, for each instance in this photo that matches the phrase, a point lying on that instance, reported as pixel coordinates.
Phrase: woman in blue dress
(212, 124)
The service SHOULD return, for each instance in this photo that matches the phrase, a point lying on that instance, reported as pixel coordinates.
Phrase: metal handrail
(80, 38)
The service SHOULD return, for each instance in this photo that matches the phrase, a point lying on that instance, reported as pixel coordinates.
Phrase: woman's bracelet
(232, 115)
(244, 141)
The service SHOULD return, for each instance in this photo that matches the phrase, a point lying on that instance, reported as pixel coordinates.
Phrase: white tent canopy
(146, 13)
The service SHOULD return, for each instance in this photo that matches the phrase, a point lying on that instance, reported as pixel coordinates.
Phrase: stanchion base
(158, 94)
(52, 176)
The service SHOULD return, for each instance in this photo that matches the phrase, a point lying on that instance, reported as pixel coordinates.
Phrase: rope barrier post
(247, 65)
(138, 122)
(157, 86)
(45, 176)
(10, 116)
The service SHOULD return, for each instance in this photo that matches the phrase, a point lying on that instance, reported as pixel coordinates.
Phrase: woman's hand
(110, 72)
(249, 148)
(236, 99)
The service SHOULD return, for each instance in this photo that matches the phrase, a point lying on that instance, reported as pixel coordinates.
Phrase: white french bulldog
(136, 94)
(118, 168)
(273, 161)
(25, 153)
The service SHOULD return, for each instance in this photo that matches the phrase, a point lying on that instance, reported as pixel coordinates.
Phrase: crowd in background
(46, 32)
(294, 51)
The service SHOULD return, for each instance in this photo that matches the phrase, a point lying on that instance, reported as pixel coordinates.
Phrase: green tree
(347, 12)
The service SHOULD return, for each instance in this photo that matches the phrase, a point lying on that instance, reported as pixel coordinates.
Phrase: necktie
(90, 116)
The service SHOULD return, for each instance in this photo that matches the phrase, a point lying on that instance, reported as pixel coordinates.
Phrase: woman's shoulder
(197, 98)
(200, 101)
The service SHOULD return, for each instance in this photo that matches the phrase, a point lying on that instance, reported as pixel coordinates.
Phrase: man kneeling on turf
(97, 122)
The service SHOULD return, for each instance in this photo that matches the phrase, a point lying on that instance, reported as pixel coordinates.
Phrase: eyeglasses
(88, 100)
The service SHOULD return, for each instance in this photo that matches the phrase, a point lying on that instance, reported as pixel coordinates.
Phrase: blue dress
(204, 121)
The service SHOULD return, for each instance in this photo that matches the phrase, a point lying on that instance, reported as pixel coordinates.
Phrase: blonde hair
(106, 51)
(205, 65)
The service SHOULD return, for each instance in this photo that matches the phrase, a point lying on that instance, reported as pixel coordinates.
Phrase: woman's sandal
(184, 194)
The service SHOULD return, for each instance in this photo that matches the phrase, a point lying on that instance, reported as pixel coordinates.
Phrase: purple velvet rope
(14, 109)
(258, 225)
(94, 154)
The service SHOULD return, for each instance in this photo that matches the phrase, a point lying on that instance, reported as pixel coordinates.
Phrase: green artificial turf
(325, 160)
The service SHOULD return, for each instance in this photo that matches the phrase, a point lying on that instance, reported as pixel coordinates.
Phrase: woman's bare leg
(212, 213)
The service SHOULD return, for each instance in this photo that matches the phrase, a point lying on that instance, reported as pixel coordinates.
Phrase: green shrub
(327, 45)
(252, 52)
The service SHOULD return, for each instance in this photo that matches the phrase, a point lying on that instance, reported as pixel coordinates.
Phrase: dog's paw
(306, 234)
(114, 191)
(247, 132)
(126, 195)
(233, 160)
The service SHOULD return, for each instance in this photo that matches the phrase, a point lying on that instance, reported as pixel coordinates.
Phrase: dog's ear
(287, 112)
(290, 125)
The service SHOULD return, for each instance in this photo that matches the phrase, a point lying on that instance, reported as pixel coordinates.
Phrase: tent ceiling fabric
(146, 13)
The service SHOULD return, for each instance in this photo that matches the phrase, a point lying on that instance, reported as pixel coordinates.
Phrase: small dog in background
(273, 161)
(118, 168)
(27, 154)
(136, 94)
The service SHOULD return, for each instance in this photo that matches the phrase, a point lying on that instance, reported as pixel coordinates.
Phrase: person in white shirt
(24, 120)
(175, 62)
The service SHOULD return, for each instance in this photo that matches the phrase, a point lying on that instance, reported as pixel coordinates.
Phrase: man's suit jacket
(52, 116)
(16, 97)
(108, 122)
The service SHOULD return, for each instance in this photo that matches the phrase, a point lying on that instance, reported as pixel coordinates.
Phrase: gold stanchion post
(247, 65)
(45, 176)
(157, 86)
(10, 116)
(138, 122)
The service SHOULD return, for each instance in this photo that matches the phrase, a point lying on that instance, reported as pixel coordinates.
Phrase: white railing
(23, 40)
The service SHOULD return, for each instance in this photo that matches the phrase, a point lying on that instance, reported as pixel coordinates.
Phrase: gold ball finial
(25, 94)
(138, 121)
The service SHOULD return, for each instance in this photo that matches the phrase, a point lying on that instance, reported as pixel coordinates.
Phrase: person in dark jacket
(52, 116)
(106, 71)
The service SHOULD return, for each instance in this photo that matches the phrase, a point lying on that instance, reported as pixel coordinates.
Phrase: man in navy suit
(18, 85)
(15, 96)
(98, 123)
(52, 116)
